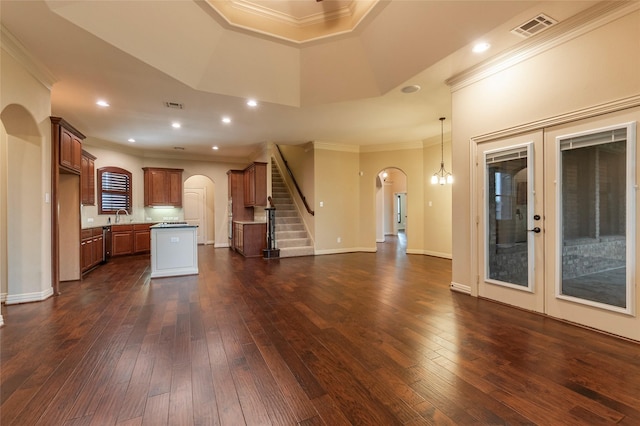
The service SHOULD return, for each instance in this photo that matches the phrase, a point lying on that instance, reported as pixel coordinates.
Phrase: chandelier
(442, 176)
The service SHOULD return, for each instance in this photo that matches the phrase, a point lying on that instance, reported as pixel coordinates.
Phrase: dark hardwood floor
(361, 338)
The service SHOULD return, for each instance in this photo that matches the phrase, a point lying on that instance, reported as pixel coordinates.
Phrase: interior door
(591, 193)
(194, 211)
(511, 221)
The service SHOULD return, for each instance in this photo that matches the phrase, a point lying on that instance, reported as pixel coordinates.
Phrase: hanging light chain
(442, 176)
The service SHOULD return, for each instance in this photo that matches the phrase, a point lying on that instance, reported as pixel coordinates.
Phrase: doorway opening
(391, 206)
(199, 208)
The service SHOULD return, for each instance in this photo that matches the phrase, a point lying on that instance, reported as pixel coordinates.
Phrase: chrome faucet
(118, 214)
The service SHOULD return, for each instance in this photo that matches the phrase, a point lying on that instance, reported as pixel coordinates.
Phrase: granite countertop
(138, 222)
(173, 225)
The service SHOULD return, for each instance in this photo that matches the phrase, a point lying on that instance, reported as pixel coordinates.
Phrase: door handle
(536, 230)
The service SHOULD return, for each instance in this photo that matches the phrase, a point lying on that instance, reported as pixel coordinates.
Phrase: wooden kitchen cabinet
(121, 240)
(92, 248)
(87, 179)
(162, 187)
(142, 238)
(130, 239)
(255, 185)
(68, 141)
(237, 209)
(250, 238)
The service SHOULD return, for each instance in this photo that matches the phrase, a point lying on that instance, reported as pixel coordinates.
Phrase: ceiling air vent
(175, 105)
(534, 26)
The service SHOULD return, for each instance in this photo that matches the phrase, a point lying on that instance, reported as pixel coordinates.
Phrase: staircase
(291, 236)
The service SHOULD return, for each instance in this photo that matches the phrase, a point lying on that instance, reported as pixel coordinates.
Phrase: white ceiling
(342, 88)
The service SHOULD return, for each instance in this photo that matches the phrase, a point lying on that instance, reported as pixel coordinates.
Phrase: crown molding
(329, 146)
(13, 47)
(582, 23)
(393, 146)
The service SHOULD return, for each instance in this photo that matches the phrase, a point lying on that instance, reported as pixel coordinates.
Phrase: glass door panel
(510, 221)
(506, 212)
(593, 218)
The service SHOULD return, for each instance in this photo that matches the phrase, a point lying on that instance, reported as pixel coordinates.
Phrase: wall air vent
(179, 148)
(175, 105)
(534, 26)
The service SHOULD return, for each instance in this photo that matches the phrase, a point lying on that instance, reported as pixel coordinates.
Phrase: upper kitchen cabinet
(69, 143)
(162, 187)
(87, 179)
(255, 185)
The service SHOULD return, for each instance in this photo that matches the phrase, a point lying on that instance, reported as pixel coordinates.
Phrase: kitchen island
(174, 250)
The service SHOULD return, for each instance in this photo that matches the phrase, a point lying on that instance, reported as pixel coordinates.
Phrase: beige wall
(346, 183)
(25, 107)
(3, 214)
(600, 66)
(360, 171)
(337, 185)
(438, 207)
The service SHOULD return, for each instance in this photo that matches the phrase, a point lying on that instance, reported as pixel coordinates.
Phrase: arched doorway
(391, 205)
(199, 207)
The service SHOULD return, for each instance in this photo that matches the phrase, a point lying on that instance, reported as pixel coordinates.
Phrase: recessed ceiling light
(481, 47)
(226, 120)
(176, 125)
(252, 103)
(410, 89)
(102, 103)
(132, 140)
(215, 148)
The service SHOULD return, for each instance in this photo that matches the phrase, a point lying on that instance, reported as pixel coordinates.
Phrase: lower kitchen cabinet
(92, 248)
(141, 238)
(130, 239)
(250, 238)
(121, 240)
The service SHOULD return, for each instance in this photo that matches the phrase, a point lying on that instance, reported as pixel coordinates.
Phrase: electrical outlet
(339, 239)
(89, 220)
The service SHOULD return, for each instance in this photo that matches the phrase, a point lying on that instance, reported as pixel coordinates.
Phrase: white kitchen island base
(174, 250)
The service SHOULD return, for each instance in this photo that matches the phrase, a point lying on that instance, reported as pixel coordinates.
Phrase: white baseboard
(461, 288)
(3, 297)
(210, 242)
(380, 240)
(429, 253)
(346, 250)
(221, 245)
(13, 299)
(1, 321)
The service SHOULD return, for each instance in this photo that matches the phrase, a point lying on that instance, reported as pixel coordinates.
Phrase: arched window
(114, 190)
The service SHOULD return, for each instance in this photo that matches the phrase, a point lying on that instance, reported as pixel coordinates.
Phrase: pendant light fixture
(442, 176)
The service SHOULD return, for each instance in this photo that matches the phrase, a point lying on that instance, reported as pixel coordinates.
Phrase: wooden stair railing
(304, 200)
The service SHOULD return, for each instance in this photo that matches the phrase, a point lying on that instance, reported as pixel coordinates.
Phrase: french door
(510, 223)
(557, 223)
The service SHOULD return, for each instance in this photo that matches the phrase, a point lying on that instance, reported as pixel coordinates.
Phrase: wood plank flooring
(360, 338)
